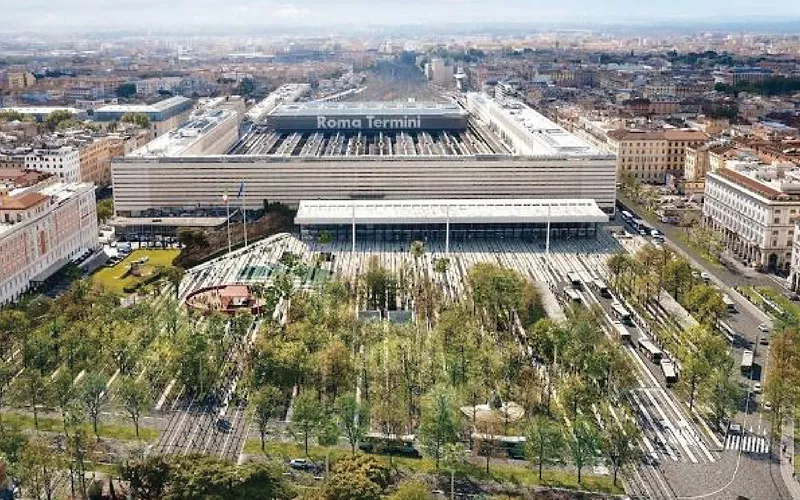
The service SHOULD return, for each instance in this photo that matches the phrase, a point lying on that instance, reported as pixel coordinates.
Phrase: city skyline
(98, 16)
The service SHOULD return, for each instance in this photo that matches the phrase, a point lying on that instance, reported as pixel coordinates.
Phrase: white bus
(622, 333)
(572, 296)
(575, 279)
(602, 288)
(668, 369)
(747, 361)
(652, 352)
(729, 303)
(621, 313)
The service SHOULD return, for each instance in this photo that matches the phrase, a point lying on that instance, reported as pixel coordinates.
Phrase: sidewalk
(787, 459)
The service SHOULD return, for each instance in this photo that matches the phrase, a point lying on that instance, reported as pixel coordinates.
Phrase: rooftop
(288, 92)
(178, 141)
(455, 211)
(316, 108)
(43, 110)
(536, 134)
(144, 108)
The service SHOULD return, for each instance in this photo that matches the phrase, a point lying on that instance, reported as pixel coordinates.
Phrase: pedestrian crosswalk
(747, 443)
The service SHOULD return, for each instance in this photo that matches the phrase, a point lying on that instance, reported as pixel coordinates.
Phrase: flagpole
(244, 210)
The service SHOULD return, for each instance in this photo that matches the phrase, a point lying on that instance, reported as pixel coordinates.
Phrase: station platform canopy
(453, 211)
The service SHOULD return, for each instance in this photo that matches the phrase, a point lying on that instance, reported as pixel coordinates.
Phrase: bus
(652, 352)
(621, 313)
(747, 361)
(572, 296)
(668, 369)
(575, 279)
(602, 288)
(622, 333)
(641, 227)
(729, 303)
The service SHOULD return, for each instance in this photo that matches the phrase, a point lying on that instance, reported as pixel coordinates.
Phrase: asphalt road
(749, 465)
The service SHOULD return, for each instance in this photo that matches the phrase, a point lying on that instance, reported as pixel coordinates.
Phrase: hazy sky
(100, 14)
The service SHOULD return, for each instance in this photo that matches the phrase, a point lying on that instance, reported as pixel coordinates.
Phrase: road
(755, 472)
(214, 424)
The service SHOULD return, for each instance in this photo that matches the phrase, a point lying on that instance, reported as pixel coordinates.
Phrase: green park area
(140, 267)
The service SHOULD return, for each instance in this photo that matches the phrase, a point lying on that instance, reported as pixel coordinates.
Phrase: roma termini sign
(369, 122)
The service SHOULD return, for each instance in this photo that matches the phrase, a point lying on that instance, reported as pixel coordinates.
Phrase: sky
(102, 14)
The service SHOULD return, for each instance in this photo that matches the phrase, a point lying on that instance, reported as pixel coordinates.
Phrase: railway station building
(447, 220)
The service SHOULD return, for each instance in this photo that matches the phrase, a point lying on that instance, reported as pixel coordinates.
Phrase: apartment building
(650, 155)
(755, 208)
(20, 80)
(42, 227)
(696, 164)
(63, 162)
(95, 155)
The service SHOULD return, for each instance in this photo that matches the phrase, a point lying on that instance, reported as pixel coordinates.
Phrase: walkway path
(787, 459)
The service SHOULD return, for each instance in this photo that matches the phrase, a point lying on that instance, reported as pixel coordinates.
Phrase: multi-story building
(164, 115)
(747, 75)
(755, 208)
(42, 227)
(650, 155)
(696, 164)
(338, 151)
(793, 281)
(62, 162)
(152, 86)
(95, 155)
(20, 80)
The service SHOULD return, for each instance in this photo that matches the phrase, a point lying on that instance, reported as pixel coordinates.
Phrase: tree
(677, 277)
(544, 443)
(416, 249)
(306, 416)
(39, 467)
(353, 419)
(265, 405)
(63, 392)
(105, 210)
(126, 90)
(358, 477)
(489, 431)
(496, 290)
(441, 265)
(93, 395)
(439, 423)
(583, 444)
(32, 390)
(174, 275)
(454, 456)
(147, 478)
(139, 119)
(325, 237)
(135, 397)
(198, 476)
(699, 364)
(6, 376)
(782, 387)
(56, 117)
(618, 443)
(706, 303)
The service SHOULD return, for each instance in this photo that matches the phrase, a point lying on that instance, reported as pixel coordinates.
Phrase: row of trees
(706, 365)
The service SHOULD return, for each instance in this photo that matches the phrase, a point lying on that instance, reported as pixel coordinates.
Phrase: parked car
(763, 328)
(300, 464)
(757, 388)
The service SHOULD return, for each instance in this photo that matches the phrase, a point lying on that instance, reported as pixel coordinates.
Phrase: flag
(241, 190)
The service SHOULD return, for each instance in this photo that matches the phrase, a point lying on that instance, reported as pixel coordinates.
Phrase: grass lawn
(499, 472)
(111, 277)
(108, 431)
